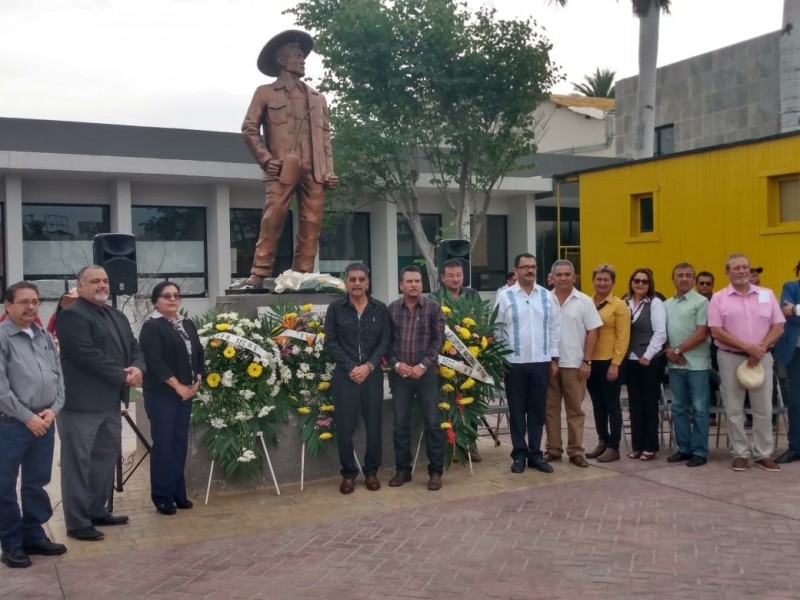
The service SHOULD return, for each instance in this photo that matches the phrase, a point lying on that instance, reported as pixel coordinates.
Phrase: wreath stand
(416, 456)
(260, 436)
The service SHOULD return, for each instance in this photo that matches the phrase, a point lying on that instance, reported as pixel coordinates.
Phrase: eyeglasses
(641, 281)
(704, 283)
(170, 296)
(27, 302)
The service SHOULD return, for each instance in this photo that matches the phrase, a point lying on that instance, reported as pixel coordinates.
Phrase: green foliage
(426, 86)
(599, 84)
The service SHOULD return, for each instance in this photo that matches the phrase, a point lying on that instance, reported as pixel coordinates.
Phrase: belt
(736, 352)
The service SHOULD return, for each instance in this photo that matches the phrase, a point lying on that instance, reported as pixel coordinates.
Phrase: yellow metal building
(699, 207)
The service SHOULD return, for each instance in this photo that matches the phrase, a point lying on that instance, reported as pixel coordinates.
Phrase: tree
(425, 86)
(790, 66)
(648, 13)
(599, 84)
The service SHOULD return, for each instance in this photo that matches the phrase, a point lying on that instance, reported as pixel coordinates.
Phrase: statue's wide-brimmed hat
(267, 60)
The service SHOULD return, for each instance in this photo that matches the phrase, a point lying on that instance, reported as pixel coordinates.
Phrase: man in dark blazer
(100, 359)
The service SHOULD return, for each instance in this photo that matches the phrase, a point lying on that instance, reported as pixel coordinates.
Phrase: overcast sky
(191, 63)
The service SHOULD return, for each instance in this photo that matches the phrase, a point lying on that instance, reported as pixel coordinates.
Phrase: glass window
(664, 140)
(57, 243)
(171, 244)
(789, 192)
(547, 249)
(245, 227)
(408, 252)
(488, 261)
(643, 220)
(345, 239)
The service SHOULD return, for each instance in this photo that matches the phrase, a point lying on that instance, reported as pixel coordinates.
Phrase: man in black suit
(100, 359)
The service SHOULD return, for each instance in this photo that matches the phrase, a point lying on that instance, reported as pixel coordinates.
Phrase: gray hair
(734, 257)
(562, 263)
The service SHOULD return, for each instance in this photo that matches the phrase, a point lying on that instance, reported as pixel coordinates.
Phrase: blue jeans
(20, 449)
(793, 400)
(426, 390)
(690, 395)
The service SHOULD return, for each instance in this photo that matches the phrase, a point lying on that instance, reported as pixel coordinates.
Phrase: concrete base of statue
(252, 305)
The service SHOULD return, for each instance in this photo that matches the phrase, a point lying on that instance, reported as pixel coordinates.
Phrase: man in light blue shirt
(31, 395)
(687, 351)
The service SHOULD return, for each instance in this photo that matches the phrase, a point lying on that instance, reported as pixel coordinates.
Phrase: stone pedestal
(251, 305)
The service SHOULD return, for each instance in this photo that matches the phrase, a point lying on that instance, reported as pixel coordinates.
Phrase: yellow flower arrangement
(446, 372)
(447, 346)
(444, 405)
(326, 407)
(484, 343)
(468, 322)
(467, 384)
(464, 333)
(254, 370)
(325, 435)
(222, 326)
(215, 343)
(446, 425)
(324, 385)
(307, 307)
(447, 387)
(465, 401)
(229, 352)
(213, 380)
(304, 410)
(446, 309)
(474, 350)
(289, 320)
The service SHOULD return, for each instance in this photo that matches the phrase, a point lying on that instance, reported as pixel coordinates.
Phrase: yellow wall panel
(708, 205)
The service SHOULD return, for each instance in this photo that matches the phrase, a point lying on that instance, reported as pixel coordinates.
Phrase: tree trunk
(790, 67)
(409, 209)
(646, 93)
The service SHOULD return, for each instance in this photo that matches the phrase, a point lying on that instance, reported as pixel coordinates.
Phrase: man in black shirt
(357, 334)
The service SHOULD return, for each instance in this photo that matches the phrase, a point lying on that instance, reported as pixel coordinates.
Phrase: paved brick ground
(628, 530)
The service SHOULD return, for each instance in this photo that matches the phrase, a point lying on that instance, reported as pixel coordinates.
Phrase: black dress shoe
(518, 466)
(184, 504)
(679, 457)
(400, 478)
(110, 519)
(44, 547)
(540, 464)
(86, 534)
(788, 456)
(15, 559)
(697, 461)
(165, 509)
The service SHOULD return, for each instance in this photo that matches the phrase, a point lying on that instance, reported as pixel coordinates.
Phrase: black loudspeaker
(116, 253)
(449, 249)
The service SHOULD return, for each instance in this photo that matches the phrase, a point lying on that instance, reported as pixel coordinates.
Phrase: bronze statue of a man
(294, 153)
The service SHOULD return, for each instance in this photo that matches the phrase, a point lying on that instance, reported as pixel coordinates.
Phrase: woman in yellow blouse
(609, 353)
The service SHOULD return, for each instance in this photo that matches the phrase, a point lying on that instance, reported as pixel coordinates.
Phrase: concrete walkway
(625, 530)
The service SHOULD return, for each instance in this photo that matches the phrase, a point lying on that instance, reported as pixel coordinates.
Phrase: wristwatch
(676, 351)
(587, 362)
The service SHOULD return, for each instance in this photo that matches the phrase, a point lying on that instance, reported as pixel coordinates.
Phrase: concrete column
(121, 203)
(383, 248)
(218, 232)
(521, 226)
(13, 228)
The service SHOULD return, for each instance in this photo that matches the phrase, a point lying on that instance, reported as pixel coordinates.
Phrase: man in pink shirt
(745, 321)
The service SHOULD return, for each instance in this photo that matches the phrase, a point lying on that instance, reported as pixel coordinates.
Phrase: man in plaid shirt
(417, 337)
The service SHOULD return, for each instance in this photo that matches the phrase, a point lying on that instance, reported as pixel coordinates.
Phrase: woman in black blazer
(174, 358)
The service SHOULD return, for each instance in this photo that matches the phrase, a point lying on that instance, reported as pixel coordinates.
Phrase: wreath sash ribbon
(473, 368)
(309, 338)
(245, 344)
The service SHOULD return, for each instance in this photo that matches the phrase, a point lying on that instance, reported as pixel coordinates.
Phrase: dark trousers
(526, 391)
(350, 398)
(605, 403)
(90, 448)
(20, 450)
(426, 391)
(169, 428)
(793, 400)
(644, 393)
